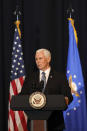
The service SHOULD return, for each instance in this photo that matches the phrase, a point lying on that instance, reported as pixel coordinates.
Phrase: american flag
(17, 120)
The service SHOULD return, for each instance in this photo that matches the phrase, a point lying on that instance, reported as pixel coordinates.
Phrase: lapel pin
(51, 76)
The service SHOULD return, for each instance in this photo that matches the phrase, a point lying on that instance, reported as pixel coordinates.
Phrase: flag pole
(17, 13)
(70, 12)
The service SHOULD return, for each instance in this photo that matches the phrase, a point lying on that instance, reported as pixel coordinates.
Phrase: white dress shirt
(47, 72)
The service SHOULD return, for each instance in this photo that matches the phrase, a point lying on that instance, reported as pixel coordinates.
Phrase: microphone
(41, 85)
(34, 87)
(38, 87)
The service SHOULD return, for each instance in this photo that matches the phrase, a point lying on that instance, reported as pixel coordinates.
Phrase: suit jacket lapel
(37, 77)
(49, 80)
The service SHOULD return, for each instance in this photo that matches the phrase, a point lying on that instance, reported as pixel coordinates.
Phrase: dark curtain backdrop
(43, 25)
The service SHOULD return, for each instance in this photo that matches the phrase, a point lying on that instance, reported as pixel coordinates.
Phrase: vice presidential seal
(37, 100)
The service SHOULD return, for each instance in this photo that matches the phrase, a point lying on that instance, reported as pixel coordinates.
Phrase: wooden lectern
(53, 102)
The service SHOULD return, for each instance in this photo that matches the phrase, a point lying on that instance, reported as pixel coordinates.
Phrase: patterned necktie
(43, 78)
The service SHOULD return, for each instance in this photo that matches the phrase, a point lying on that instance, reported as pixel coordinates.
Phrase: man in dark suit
(54, 83)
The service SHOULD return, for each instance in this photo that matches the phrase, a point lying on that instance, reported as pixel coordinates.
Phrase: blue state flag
(76, 114)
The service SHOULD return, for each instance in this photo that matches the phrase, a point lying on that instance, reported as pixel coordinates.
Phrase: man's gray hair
(46, 52)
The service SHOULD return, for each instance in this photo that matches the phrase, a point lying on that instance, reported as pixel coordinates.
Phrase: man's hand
(66, 100)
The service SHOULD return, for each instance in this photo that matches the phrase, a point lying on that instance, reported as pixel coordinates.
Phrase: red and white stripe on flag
(17, 120)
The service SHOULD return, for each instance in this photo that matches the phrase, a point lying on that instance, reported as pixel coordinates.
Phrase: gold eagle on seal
(73, 87)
